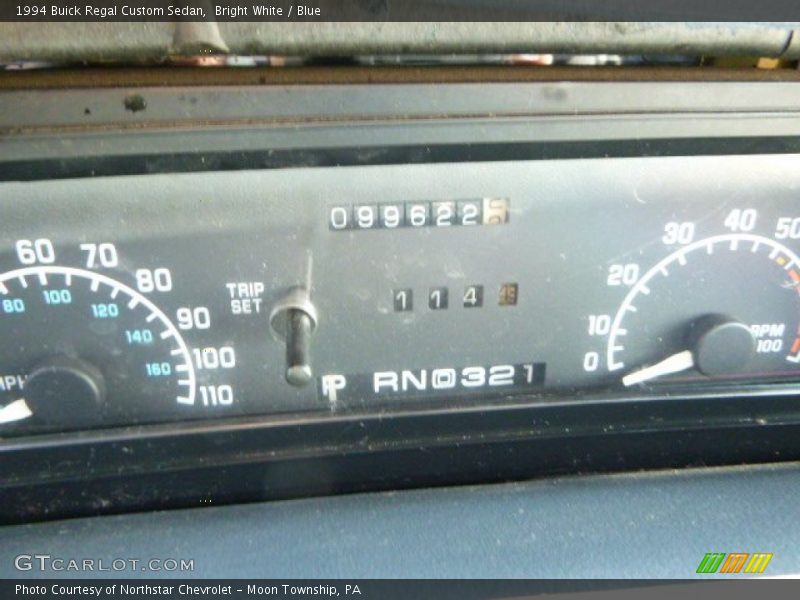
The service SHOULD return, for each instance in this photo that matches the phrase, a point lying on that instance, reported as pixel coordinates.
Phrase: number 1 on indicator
(437, 299)
(403, 300)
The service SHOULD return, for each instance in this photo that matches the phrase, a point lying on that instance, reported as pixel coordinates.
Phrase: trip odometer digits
(86, 348)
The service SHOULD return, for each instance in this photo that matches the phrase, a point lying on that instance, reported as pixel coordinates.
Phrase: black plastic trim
(191, 162)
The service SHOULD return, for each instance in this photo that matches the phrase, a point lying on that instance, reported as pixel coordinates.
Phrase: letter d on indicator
(331, 384)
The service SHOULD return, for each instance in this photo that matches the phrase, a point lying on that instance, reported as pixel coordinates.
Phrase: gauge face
(723, 307)
(506, 282)
(81, 338)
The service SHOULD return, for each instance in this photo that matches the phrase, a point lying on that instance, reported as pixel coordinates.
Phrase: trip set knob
(293, 321)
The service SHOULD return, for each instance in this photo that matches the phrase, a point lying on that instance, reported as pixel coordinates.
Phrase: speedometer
(81, 338)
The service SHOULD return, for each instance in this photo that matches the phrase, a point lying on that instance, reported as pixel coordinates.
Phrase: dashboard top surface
(656, 525)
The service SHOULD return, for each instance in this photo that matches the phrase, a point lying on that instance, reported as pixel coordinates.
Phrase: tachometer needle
(15, 411)
(682, 361)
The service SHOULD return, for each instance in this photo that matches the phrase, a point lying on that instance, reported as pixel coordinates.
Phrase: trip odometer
(86, 349)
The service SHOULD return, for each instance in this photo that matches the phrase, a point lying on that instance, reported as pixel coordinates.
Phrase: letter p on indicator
(331, 385)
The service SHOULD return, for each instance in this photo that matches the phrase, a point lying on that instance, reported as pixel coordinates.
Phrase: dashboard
(392, 288)
(309, 290)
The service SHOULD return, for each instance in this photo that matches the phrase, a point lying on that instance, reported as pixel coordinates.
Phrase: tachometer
(723, 307)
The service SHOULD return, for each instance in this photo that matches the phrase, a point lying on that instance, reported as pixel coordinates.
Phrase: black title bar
(399, 10)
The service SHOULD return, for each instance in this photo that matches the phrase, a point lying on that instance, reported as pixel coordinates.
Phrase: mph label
(441, 381)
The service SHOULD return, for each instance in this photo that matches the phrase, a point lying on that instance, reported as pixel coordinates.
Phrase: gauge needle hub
(15, 411)
(682, 361)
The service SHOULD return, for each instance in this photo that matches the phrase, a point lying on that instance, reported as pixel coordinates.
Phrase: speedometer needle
(15, 411)
(682, 361)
